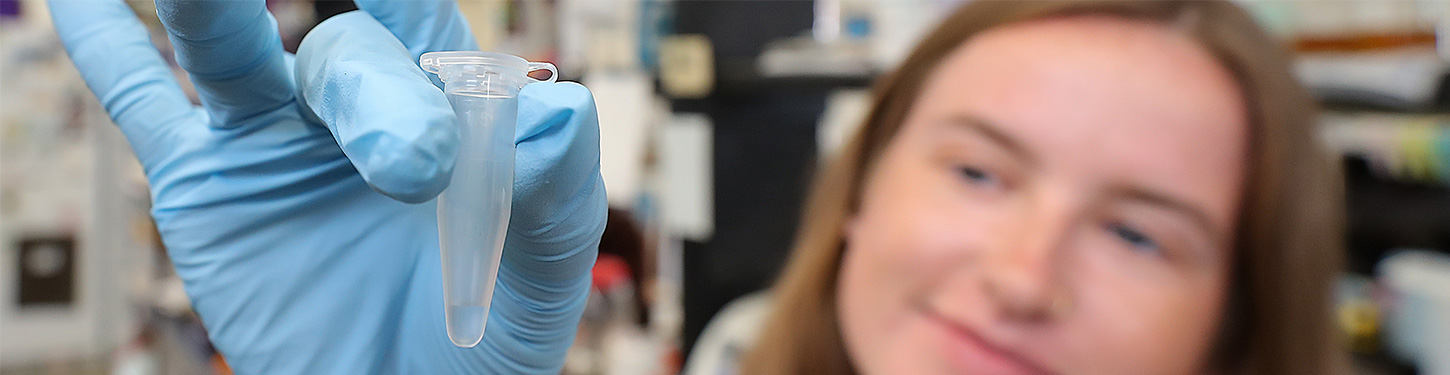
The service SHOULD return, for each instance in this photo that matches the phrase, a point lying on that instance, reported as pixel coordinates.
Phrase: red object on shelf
(609, 271)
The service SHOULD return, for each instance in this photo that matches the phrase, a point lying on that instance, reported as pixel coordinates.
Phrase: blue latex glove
(296, 201)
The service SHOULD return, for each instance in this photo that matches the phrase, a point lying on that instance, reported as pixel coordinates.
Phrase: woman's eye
(1134, 238)
(977, 175)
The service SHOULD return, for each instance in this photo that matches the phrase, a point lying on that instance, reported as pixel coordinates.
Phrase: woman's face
(1061, 199)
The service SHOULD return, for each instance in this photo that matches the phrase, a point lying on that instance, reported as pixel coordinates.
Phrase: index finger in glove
(234, 54)
(396, 128)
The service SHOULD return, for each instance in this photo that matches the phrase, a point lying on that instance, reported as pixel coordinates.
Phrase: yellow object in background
(687, 66)
(1359, 320)
(487, 19)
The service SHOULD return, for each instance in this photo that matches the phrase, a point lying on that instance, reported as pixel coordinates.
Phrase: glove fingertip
(559, 94)
(410, 171)
(544, 107)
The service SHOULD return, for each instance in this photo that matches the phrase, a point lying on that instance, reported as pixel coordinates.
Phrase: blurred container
(1419, 318)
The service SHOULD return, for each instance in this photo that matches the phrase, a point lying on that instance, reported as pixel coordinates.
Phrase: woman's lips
(970, 352)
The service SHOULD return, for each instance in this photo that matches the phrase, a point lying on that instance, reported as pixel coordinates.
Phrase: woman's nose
(1022, 274)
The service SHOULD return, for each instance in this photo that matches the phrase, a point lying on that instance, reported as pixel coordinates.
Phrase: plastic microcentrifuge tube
(473, 212)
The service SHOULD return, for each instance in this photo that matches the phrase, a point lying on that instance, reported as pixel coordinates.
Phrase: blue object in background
(655, 22)
(858, 27)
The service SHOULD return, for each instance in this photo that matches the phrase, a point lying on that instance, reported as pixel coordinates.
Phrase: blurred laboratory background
(717, 115)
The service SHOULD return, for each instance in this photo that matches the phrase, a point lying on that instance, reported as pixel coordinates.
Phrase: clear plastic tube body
(473, 212)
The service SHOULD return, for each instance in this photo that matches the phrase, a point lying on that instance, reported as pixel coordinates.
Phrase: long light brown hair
(1278, 314)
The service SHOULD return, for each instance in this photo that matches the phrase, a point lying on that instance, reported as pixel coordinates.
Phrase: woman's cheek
(1132, 320)
(911, 235)
(896, 247)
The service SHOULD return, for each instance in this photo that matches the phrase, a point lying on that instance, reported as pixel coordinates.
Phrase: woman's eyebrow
(993, 133)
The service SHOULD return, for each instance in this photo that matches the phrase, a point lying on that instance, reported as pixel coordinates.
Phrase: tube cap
(434, 62)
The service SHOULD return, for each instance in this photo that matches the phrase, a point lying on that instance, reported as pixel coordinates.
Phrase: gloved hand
(296, 201)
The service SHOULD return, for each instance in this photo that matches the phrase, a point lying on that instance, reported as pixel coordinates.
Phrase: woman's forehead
(1107, 97)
